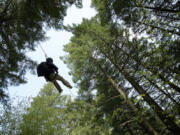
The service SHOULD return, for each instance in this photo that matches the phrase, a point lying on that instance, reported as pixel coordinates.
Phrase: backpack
(42, 69)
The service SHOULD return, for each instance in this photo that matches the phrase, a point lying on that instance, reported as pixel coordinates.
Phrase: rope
(43, 51)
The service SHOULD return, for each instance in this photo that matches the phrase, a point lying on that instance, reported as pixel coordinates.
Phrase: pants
(54, 77)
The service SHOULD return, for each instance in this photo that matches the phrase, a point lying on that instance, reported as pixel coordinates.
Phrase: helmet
(49, 60)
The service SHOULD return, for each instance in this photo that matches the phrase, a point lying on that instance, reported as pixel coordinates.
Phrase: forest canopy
(125, 62)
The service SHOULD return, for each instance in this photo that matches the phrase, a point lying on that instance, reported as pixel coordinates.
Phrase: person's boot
(68, 85)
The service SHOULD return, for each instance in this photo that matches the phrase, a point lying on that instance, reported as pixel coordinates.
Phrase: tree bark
(160, 75)
(144, 121)
(159, 28)
(169, 122)
(167, 94)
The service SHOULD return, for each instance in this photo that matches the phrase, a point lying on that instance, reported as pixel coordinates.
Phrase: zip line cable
(43, 51)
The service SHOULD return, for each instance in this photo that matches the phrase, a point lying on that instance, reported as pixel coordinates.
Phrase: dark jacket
(45, 69)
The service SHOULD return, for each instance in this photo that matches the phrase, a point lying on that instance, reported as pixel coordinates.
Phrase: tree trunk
(159, 28)
(144, 121)
(169, 122)
(160, 75)
(160, 9)
(167, 94)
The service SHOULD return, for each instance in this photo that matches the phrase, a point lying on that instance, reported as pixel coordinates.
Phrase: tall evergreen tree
(159, 20)
(52, 114)
(106, 43)
(152, 15)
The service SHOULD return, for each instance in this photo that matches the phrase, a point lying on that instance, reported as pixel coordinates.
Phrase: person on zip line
(50, 72)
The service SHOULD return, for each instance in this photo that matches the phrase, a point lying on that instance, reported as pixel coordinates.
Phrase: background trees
(52, 114)
(97, 52)
(157, 17)
(11, 116)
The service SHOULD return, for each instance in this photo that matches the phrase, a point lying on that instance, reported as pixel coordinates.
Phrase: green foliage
(142, 15)
(52, 114)
(11, 116)
(139, 67)
(22, 27)
(43, 115)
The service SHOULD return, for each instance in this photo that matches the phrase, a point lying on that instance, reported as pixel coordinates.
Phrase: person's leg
(57, 86)
(52, 77)
(58, 77)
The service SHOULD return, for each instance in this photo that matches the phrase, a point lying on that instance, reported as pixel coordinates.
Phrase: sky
(54, 49)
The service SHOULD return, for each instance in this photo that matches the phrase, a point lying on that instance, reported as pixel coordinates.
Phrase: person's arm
(55, 67)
